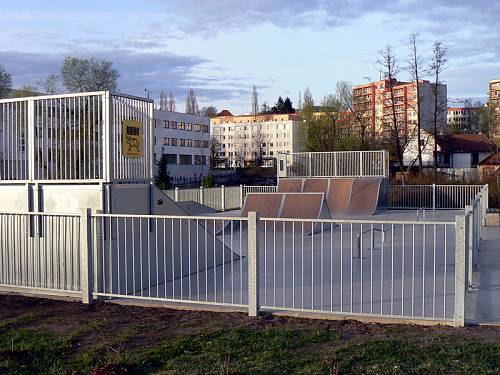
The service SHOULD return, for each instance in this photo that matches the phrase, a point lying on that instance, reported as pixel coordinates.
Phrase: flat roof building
(185, 140)
(494, 104)
(254, 139)
(372, 102)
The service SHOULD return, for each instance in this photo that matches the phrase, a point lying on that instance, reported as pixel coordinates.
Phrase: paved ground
(483, 302)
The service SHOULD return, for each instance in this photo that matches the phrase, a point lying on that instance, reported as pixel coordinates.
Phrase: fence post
(176, 194)
(433, 197)
(86, 271)
(253, 264)
(361, 164)
(201, 194)
(223, 193)
(460, 270)
(241, 195)
(469, 215)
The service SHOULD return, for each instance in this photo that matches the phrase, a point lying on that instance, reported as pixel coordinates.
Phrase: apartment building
(372, 102)
(185, 140)
(463, 120)
(249, 139)
(494, 104)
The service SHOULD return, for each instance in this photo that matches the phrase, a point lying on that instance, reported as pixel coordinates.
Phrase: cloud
(138, 71)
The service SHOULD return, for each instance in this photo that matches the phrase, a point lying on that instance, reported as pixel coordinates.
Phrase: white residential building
(185, 139)
(249, 139)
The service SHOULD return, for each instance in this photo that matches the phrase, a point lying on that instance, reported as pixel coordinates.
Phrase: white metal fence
(359, 268)
(219, 198)
(338, 164)
(176, 259)
(432, 196)
(75, 137)
(40, 252)
(410, 270)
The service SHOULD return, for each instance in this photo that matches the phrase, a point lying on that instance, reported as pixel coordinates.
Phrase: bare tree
(163, 100)
(438, 65)
(344, 95)
(5, 82)
(389, 67)
(415, 68)
(50, 84)
(171, 102)
(255, 102)
(299, 102)
(191, 102)
(210, 111)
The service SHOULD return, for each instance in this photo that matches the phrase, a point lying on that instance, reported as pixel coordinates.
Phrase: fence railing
(75, 137)
(408, 270)
(432, 196)
(338, 164)
(176, 259)
(40, 252)
(219, 198)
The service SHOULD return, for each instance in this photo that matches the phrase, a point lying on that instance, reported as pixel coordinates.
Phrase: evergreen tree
(162, 179)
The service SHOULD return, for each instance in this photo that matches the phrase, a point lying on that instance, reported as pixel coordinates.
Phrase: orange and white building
(372, 101)
(494, 104)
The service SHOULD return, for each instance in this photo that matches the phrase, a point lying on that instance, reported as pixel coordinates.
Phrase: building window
(204, 128)
(173, 125)
(166, 124)
(182, 143)
(205, 144)
(185, 159)
(166, 141)
(189, 127)
(197, 143)
(182, 126)
(154, 123)
(173, 141)
(171, 158)
(189, 143)
(197, 128)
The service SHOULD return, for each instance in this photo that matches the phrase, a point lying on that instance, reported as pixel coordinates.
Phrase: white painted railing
(377, 269)
(338, 164)
(219, 198)
(432, 196)
(76, 137)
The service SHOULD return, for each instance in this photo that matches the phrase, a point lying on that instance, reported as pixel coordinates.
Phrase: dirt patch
(119, 328)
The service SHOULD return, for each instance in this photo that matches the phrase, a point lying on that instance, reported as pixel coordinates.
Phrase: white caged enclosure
(73, 138)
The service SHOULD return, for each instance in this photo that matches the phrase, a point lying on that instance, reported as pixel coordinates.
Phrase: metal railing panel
(171, 258)
(40, 251)
(385, 269)
(338, 164)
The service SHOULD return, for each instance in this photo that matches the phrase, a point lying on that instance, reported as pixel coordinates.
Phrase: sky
(221, 48)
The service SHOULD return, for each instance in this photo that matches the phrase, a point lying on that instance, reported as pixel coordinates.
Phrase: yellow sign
(132, 138)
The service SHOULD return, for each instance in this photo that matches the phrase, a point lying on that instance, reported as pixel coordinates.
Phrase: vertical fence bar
(253, 264)
(460, 270)
(86, 272)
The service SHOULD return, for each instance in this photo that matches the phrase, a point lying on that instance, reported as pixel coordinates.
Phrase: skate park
(83, 219)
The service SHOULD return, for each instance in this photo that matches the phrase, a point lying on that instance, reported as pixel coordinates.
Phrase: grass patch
(30, 352)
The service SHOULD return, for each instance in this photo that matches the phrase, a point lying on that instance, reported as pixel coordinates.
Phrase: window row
(167, 124)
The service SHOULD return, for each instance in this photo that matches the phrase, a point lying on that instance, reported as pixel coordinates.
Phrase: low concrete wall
(492, 219)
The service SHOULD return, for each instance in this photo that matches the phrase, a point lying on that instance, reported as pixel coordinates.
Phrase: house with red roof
(453, 151)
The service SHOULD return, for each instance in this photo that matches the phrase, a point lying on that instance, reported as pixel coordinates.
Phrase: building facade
(494, 104)
(248, 139)
(185, 140)
(372, 103)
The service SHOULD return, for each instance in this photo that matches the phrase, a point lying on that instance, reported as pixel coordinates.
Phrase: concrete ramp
(290, 185)
(339, 196)
(364, 196)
